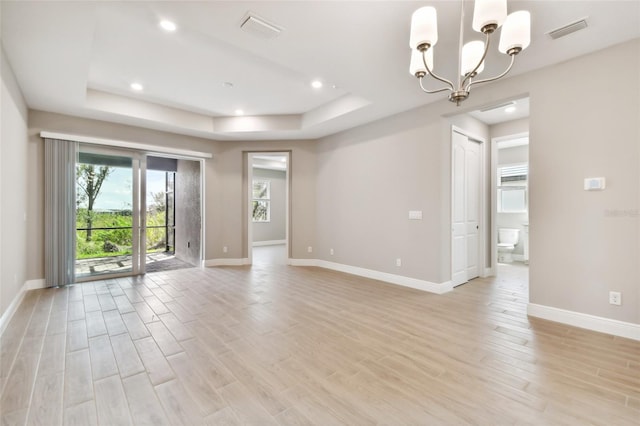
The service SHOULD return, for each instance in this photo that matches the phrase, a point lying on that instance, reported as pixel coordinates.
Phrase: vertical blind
(60, 211)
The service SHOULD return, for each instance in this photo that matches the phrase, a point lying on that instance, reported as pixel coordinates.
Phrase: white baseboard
(225, 262)
(488, 272)
(377, 275)
(590, 322)
(11, 309)
(269, 243)
(36, 284)
(15, 303)
(304, 262)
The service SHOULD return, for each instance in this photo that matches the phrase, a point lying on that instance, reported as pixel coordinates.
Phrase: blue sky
(116, 191)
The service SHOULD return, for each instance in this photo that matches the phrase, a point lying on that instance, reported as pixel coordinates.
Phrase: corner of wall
(14, 178)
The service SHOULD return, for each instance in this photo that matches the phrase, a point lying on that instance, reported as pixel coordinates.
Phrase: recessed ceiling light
(137, 87)
(316, 84)
(510, 109)
(228, 84)
(239, 112)
(168, 25)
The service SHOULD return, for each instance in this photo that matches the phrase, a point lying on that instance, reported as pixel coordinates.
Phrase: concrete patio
(161, 261)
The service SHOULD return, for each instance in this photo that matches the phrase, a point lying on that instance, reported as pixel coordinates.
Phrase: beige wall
(369, 178)
(580, 126)
(510, 128)
(513, 155)
(14, 157)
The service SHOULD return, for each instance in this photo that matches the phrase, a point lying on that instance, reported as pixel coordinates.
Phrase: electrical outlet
(309, 249)
(615, 298)
(225, 249)
(331, 252)
(398, 262)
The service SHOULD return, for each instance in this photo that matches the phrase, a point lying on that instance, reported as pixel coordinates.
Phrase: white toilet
(507, 240)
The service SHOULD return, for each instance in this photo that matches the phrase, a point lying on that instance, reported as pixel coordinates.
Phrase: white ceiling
(80, 57)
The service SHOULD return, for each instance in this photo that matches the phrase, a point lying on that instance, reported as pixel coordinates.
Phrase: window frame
(265, 200)
(512, 187)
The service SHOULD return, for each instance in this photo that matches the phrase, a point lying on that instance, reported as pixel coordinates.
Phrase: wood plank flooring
(279, 345)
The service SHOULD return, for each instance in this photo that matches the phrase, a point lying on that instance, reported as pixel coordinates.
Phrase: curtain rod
(126, 144)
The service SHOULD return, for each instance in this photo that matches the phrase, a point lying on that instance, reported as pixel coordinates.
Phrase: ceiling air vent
(568, 29)
(494, 107)
(260, 27)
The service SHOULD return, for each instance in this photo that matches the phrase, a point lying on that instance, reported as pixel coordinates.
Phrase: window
(512, 188)
(261, 200)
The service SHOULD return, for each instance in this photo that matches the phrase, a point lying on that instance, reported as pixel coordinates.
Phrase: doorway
(466, 207)
(135, 213)
(510, 208)
(268, 207)
(173, 214)
(109, 192)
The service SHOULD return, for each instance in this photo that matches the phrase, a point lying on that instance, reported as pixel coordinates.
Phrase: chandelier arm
(431, 73)
(486, 80)
(431, 91)
(484, 55)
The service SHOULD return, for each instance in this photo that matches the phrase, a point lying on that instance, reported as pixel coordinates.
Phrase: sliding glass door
(110, 229)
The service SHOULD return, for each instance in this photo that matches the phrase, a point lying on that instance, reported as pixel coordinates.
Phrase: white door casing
(472, 159)
(458, 216)
(249, 213)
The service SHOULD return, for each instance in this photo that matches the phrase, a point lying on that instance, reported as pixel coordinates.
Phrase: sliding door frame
(138, 225)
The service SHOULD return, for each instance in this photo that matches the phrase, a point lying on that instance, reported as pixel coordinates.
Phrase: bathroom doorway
(507, 124)
(512, 200)
(511, 210)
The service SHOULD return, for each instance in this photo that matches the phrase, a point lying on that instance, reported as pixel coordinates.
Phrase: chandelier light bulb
(489, 12)
(417, 63)
(516, 32)
(424, 27)
(471, 54)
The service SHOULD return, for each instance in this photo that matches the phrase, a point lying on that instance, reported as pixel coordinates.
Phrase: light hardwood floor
(272, 344)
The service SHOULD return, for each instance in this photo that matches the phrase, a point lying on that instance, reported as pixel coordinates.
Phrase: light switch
(594, 184)
(415, 214)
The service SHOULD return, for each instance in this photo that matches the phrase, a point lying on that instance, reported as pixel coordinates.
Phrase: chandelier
(488, 15)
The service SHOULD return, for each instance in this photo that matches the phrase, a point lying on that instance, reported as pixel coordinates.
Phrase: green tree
(89, 180)
(159, 203)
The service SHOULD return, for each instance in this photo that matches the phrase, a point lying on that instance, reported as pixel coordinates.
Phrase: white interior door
(465, 218)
